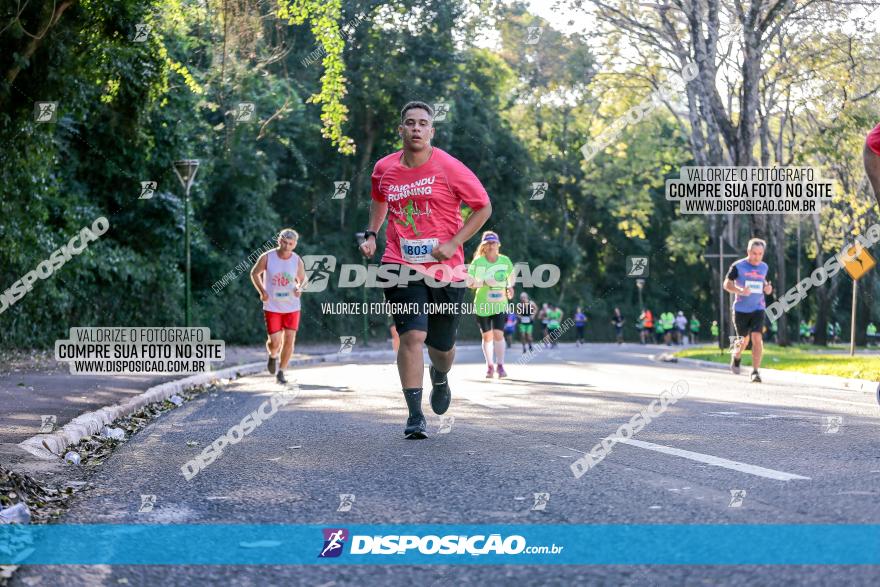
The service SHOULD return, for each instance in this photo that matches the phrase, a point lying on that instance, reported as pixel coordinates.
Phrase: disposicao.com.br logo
(320, 269)
(334, 541)
(452, 544)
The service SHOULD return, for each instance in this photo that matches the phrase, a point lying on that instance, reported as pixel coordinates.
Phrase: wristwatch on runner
(368, 234)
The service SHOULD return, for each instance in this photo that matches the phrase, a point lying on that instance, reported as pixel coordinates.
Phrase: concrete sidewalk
(41, 386)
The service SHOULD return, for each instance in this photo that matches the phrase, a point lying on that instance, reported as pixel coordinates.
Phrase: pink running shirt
(873, 140)
(424, 209)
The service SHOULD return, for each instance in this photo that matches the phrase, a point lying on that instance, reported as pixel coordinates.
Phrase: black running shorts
(493, 322)
(441, 328)
(746, 322)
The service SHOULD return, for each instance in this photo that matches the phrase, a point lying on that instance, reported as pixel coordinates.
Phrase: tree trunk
(716, 231)
(346, 171)
(778, 223)
(35, 41)
(361, 181)
(314, 218)
(825, 293)
(751, 72)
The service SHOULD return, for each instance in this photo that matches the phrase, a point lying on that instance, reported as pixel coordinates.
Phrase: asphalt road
(804, 454)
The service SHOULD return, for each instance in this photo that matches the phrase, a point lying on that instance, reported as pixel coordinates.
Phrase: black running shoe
(755, 377)
(271, 365)
(416, 427)
(440, 394)
(734, 365)
(280, 377)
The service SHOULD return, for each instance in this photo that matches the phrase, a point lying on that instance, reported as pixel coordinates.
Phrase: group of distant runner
(530, 321)
(668, 328)
(423, 189)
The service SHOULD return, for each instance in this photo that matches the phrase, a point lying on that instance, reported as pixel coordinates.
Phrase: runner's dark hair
(415, 104)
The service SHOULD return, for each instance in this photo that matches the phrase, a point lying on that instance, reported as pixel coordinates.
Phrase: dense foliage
(327, 80)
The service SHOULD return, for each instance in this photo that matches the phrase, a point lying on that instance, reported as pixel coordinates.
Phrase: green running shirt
(491, 299)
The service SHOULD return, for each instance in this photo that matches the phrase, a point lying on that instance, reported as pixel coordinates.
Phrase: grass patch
(803, 358)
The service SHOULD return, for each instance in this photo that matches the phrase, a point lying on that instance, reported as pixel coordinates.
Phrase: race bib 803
(418, 250)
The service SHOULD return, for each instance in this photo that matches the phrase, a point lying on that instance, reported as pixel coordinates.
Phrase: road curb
(865, 386)
(92, 422)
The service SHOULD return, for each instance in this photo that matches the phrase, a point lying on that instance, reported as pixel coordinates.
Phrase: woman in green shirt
(492, 275)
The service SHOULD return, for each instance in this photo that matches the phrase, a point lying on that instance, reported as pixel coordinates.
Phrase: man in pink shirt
(423, 188)
(872, 160)
(872, 170)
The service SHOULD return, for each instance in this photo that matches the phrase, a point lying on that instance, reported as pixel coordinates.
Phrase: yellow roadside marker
(860, 263)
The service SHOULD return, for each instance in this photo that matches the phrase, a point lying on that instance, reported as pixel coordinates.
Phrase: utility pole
(186, 172)
(721, 257)
(852, 323)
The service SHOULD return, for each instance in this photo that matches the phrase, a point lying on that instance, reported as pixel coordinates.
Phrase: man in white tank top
(279, 276)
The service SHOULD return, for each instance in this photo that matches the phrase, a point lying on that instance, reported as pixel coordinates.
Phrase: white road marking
(715, 461)
(835, 401)
(732, 414)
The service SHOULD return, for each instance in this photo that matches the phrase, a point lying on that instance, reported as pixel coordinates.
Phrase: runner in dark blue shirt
(747, 279)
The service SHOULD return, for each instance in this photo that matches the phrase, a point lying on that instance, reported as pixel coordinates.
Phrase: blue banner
(351, 544)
